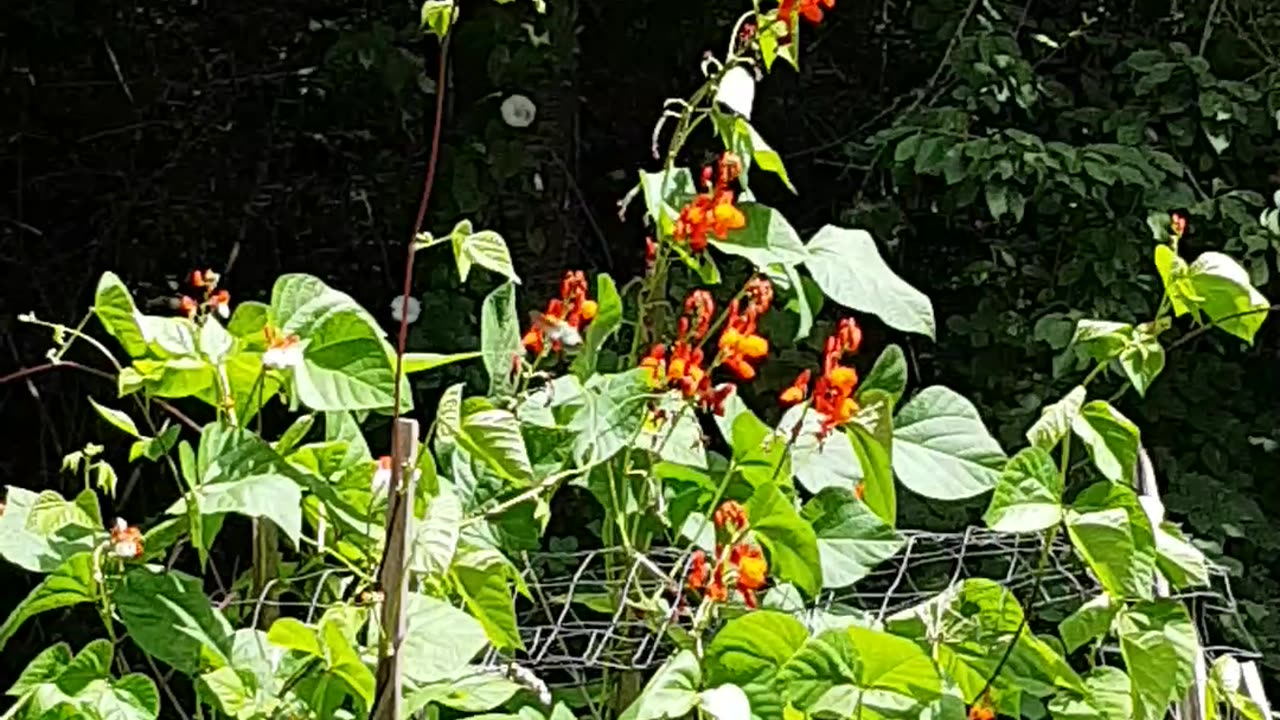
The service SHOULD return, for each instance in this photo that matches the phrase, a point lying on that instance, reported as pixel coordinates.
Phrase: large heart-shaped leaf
(766, 239)
(1028, 497)
(848, 267)
(347, 363)
(71, 583)
(169, 617)
(858, 670)
(500, 338)
(941, 449)
(1111, 438)
(791, 542)
(64, 529)
(852, 540)
(672, 691)
(1109, 528)
(1159, 644)
(606, 322)
(748, 652)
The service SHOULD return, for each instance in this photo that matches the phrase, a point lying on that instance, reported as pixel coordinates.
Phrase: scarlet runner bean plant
(771, 516)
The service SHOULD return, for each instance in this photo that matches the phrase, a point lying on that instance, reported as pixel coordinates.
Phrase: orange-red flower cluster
(981, 712)
(712, 211)
(810, 9)
(833, 393)
(218, 301)
(126, 540)
(743, 568)
(562, 323)
(683, 370)
(739, 344)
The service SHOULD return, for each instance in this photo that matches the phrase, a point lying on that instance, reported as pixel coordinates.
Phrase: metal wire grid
(573, 630)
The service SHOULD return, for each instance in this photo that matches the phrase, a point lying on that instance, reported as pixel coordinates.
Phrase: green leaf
(347, 363)
(59, 530)
(345, 663)
(438, 16)
(227, 689)
(169, 617)
(43, 668)
(607, 416)
(1240, 685)
(1112, 440)
(671, 692)
(1112, 533)
(664, 193)
(1159, 645)
(500, 338)
(1102, 340)
(819, 460)
(725, 702)
(70, 584)
(472, 690)
(247, 322)
(292, 634)
(421, 361)
(759, 453)
(493, 436)
(889, 374)
(440, 640)
(1028, 497)
(154, 448)
(113, 304)
(1223, 292)
(132, 697)
(214, 341)
(766, 239)
(120, 420)
(485, 248)
(764, 156)
(1181, 562)
(268, 495)
(435, 539)
(941, 448)
(857, 671)
(806, 299)
(1055, 420)
(487, 595)
(972, 624)
(607, 321)
(871, 434)
(852, 540)
(1089, 622)
(748, 652)
(791, 542)
(849, 269)
(1142, 362)
(1108, 697)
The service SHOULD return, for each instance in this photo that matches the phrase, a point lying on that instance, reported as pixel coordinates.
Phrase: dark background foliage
(1005, 155)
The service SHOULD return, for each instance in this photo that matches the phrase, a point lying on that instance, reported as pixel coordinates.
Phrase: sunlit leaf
(849, 269)
(941, 449)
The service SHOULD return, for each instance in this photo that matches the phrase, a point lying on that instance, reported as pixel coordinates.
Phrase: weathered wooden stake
(393, 575)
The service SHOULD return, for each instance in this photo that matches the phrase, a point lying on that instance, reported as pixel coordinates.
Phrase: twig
(1208, 27)
(168, 691)
(35, 370)
(586, 209)
(411, 250)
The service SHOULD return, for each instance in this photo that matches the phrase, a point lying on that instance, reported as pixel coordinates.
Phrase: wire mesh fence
(593, 611)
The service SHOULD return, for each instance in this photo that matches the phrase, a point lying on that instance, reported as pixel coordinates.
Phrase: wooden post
(393, 574)
(1193, 706)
